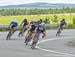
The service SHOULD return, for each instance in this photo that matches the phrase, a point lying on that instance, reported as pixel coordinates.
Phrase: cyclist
(41, 28)
(61, 26)
(13, 26)
(24, 27)
(31, 31)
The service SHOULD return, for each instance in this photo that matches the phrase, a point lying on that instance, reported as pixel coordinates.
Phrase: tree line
(5, 12)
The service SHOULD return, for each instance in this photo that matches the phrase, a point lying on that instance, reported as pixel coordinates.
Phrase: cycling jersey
(25, 23)
(62, 23)
(33, 27)
(41, 28)
(13, 24)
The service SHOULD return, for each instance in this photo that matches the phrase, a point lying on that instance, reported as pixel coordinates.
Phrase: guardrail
(6, 26)
(3, 26)
(51, 24)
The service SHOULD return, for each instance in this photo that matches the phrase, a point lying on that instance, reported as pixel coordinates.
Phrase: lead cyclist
(41, 29)
(31, 31)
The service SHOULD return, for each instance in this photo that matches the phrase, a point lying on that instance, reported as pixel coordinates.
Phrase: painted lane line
(53, 50)
(55, 55)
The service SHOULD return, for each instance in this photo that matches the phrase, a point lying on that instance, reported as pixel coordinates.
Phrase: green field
(7, 19)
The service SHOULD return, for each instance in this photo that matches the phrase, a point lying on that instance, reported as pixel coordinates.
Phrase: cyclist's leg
(44, 34)
(9, 34)
(20, 32)
(13, 30)
(28, 38)
(33, 35)
(24, 29)
(59, 31)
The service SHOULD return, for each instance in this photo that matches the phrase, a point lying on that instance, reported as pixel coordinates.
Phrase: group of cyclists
(33, 28)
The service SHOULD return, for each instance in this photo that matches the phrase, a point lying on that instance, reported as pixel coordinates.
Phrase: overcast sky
(13, 2)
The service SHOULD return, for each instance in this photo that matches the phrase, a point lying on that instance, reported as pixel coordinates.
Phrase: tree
(55, 19)
(74, 22)
(47, 21)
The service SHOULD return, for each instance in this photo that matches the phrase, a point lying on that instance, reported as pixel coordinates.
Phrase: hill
(38, 5)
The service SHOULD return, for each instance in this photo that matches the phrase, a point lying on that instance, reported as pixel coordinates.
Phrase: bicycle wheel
(58, 32)
(28, 38)
(35, 40)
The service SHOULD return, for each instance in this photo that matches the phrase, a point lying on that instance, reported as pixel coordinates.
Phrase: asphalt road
(50, 46)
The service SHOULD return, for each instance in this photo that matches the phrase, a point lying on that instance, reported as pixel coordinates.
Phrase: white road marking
(56, 55)
(67, 54)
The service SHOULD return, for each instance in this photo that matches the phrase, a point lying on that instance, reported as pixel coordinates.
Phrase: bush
(74, 22)
(55, 19)
(47, 21)
(70, 26)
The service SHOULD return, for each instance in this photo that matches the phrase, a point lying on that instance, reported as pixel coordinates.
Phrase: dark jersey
(63, 23)
(33, 27)
(25, 23)
(41, 28)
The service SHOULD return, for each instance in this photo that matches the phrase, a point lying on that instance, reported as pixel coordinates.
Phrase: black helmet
(25, 20)
(63, 19)
(41, 20)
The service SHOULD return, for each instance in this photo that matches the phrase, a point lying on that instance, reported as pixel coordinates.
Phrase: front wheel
(35, 40)
(27, 39)
(58, 32)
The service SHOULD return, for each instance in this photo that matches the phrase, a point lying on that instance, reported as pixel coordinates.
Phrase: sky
(15, 2)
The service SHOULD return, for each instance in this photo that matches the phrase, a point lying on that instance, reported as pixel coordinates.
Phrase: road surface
(50, 46)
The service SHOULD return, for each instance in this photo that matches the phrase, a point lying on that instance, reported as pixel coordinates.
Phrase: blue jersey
(14, 24)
